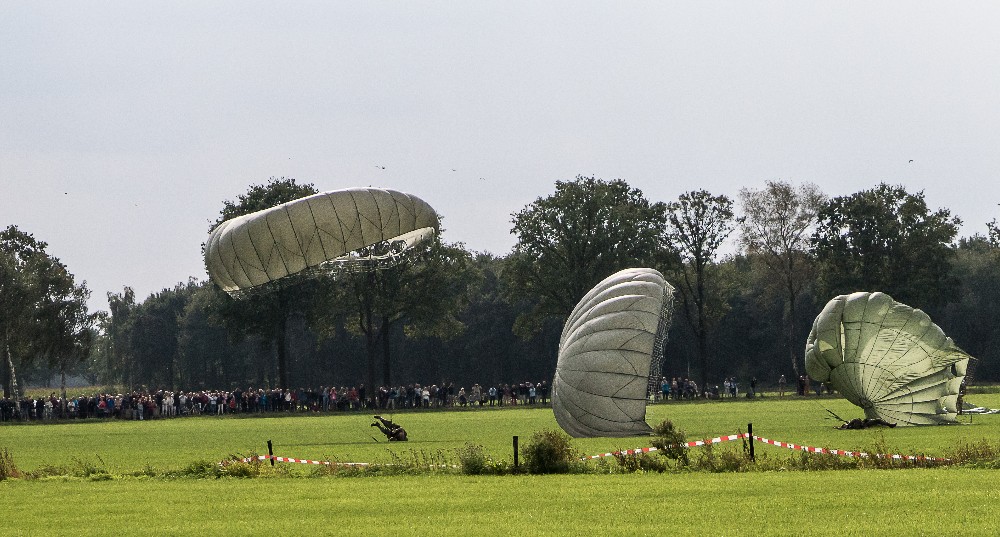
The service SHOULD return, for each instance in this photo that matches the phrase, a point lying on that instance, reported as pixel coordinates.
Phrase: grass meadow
(120, 481)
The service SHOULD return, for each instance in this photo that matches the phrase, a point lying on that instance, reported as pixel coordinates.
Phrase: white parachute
(610, 354)
(350, 229)
(887, 358)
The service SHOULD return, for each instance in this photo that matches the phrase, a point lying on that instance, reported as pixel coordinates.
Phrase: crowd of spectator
(149, 404)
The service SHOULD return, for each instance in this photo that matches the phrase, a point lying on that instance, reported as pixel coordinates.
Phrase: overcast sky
(125, 125)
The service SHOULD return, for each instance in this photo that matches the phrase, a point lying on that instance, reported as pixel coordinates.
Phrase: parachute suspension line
(662, 329)
(970, 374)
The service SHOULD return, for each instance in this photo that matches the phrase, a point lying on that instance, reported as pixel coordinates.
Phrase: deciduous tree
(886, 239)
(776, 227)
(571, 240)
(265, 313)
(698, 224)
(44, 312)
(424, 291)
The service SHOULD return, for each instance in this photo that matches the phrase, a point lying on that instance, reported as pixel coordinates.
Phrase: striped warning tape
(695, 443)
(302, 461)
(778, 443)
(326, 463)
(843, 453)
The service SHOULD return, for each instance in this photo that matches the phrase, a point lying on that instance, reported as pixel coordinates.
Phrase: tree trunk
(282, 356)
(10, 380)
(371, 339)
(368, 327)
(790, 322)
(790, 336)
(386, 365)
(702, 325)
(703, 356)
(7, 369)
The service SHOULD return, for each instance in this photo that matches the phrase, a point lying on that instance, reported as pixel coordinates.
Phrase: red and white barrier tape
(302, 461)
(843, 453)
(718, 439)
(636, 451)
(695, 443)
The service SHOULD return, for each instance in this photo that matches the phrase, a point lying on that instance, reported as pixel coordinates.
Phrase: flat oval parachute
(606, 355)
(887, 358)
(325, 231)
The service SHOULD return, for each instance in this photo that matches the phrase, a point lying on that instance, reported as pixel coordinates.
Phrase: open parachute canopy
(352, 229)
(887, 358)
(611, 346)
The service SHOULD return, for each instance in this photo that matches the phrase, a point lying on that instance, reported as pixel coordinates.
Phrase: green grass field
(294, 501)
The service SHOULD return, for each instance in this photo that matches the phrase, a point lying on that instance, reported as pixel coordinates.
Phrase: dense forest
(447, 314)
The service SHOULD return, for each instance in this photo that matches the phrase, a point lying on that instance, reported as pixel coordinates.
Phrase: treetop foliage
(43, 312)
(260, 197)
(571, 240)
(886, 239)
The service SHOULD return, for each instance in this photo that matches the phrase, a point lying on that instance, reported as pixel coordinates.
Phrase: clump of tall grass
(981, 454)
(96, 471)
(639, 462)
(473, 460)
(724, 460)
(8, 469)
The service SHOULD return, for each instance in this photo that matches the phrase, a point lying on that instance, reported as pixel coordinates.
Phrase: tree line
(448, 314)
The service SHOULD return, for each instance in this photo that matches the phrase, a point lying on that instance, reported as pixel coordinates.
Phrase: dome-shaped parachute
(610, 346)
(887, 358)
(330, 231)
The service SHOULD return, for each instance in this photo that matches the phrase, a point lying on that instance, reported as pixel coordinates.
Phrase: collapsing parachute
(611, 348)
(351, 229)
(887, 358)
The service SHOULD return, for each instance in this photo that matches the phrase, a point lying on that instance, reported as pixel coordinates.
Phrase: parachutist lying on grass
(858, 423)
(393, 432)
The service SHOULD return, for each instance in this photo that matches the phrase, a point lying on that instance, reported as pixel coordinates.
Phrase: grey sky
(124, 125)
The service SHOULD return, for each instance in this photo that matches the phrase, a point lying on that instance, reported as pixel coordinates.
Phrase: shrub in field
(639, 462)
(198, 469)
(722, 461)
(7, 467)
(549, 452)
(981, 454)
(240, 469)
(473, 460)
(669, 442)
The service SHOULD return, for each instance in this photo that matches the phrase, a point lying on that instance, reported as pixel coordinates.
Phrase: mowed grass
(128, 446)
(870, 502)
(846, 502)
